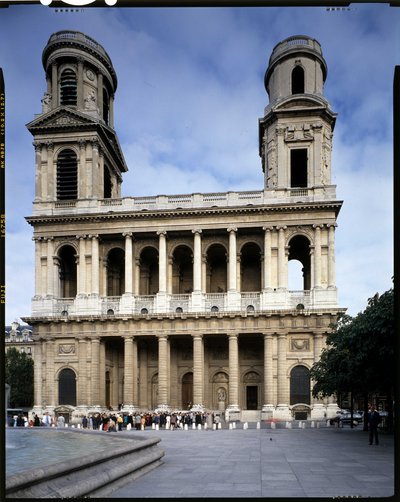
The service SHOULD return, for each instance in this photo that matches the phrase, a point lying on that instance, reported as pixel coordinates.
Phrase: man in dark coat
(374, 419)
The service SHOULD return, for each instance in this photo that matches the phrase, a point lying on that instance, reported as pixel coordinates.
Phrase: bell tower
(78, 156)
(295, 134)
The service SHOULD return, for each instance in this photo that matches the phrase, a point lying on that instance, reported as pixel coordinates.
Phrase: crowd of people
(118, 421)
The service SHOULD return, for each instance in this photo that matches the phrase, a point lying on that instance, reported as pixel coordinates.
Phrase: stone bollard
(199, 427)
(66, 425)
(79, 426)
(219, 426)
(328, 423)
(233, 425)
(230, 427)
(186, 427)
(157, 427)
(258, 425)
(153, 426)
(73, 426)
(205, 426)
(312, 424)
(193, 425)
(304, 425)
(300, 424)
(317, 425)
(273, 425)
(129, 427)
(214, 427)
(289, 425)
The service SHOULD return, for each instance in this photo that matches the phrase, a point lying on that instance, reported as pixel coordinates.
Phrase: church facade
(174, 301)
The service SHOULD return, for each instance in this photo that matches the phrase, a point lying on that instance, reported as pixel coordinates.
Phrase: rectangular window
(298, 168)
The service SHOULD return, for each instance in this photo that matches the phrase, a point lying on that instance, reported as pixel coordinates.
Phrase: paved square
(326, 462)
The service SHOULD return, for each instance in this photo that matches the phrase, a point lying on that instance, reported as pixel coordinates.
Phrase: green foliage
(359, 356)
(19, 375)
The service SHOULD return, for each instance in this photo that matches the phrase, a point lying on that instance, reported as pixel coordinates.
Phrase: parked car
(345, 419)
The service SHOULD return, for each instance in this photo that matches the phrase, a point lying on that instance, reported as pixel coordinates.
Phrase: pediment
(60, 118)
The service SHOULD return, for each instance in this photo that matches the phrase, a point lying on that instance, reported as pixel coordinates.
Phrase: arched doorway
(300, 385)
(251, 382)
(216, 269)
(116, 272)
(182, 271)
(67, 272)
(67, 387)
(250, 264)
(187, 390)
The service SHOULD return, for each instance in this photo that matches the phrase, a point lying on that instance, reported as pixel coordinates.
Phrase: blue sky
(189, 97)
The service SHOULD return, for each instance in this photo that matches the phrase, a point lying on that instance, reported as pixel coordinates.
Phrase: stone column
(198, 369)
(137, 276)
(102, 373)
(128, 371)
(95, 371)
(82, 265)
(111, 112)
(80, 84)
(162, 260)
(50, 266)
(318, 406)
(143, 387)
(50, 380)
(54, 86)
(38, 277)
(331, 257)
(282, 379)
(50, 177)
(92, 187)
(82, 397)
(163, 380)
(197, 272)
(282, 280)
(267, 258)
(128, 262)
(268, 370)
(100, 93)
(233, 370)
(38, 170)
(317, 256)
(95, 265)
(232, 283)
(82, 173)
(37, 374)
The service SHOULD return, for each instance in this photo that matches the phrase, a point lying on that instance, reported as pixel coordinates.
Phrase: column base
(232, 413)
(129, 408)
(318, 412)
(267, 411)
(282, 412)
(331, 410)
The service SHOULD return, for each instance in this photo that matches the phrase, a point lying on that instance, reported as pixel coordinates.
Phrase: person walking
(374, 419)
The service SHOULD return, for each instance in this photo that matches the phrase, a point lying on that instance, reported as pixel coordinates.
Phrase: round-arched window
(67, 387)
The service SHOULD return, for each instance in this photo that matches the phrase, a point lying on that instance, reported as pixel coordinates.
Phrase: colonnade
(90, 354)
(89, 262)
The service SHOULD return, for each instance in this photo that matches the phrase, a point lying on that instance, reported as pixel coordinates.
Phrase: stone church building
(181, 300)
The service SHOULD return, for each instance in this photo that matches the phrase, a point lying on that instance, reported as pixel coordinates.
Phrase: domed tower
(78, 155)
(295, 134)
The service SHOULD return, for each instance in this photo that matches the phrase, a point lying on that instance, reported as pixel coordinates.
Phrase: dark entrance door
(251, 397)
(187, 390)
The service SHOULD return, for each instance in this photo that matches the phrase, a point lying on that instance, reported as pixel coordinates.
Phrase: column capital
(268, 229)
(331, 225)
(162, 232)
(233, 335)
(318, 226)
(232, 229)
(81, 237)
(197, 335)
(282, 227)
(48, 239)
(129, 338)
(50, 145)
(93, 236)
(162, 337)
(127, 234)
(197, 231)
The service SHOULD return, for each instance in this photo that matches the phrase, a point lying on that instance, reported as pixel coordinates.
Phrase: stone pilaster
(128, 263)
(81, 276)
(282, 276)
(283, 397)
(162, 262)
(317, 256)
(50, 380)
(50, 267)
(267, 258)
(95, 265)
(198, 369)
(197, 261)
(232, 278)
(268, 370)
(128, 371)
(38, 374)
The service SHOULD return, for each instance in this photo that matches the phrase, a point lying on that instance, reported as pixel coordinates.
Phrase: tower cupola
(295, 134)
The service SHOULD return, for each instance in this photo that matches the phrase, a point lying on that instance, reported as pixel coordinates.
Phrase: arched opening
(68, 88)
(67, 175)
(300, 385)
(250, 264)
(220, 385)
(116, 272)
(67, 272)
(298, 80)
(298, 168)
(67, 387)
(106, 106)
(216, 269)
(182, 271)
(148, 272)
(300, 270)
(107, 183)
(187, 390)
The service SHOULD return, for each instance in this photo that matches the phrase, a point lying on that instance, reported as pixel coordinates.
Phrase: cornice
(185, 213)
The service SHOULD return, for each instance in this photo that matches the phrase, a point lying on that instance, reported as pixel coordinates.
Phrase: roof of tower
(297, 44)
(78, 40)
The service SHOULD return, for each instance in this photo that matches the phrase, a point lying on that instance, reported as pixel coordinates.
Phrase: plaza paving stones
(326, 462)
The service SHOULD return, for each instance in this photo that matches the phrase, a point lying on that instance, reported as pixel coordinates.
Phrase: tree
(359, 357)
(19, 375)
